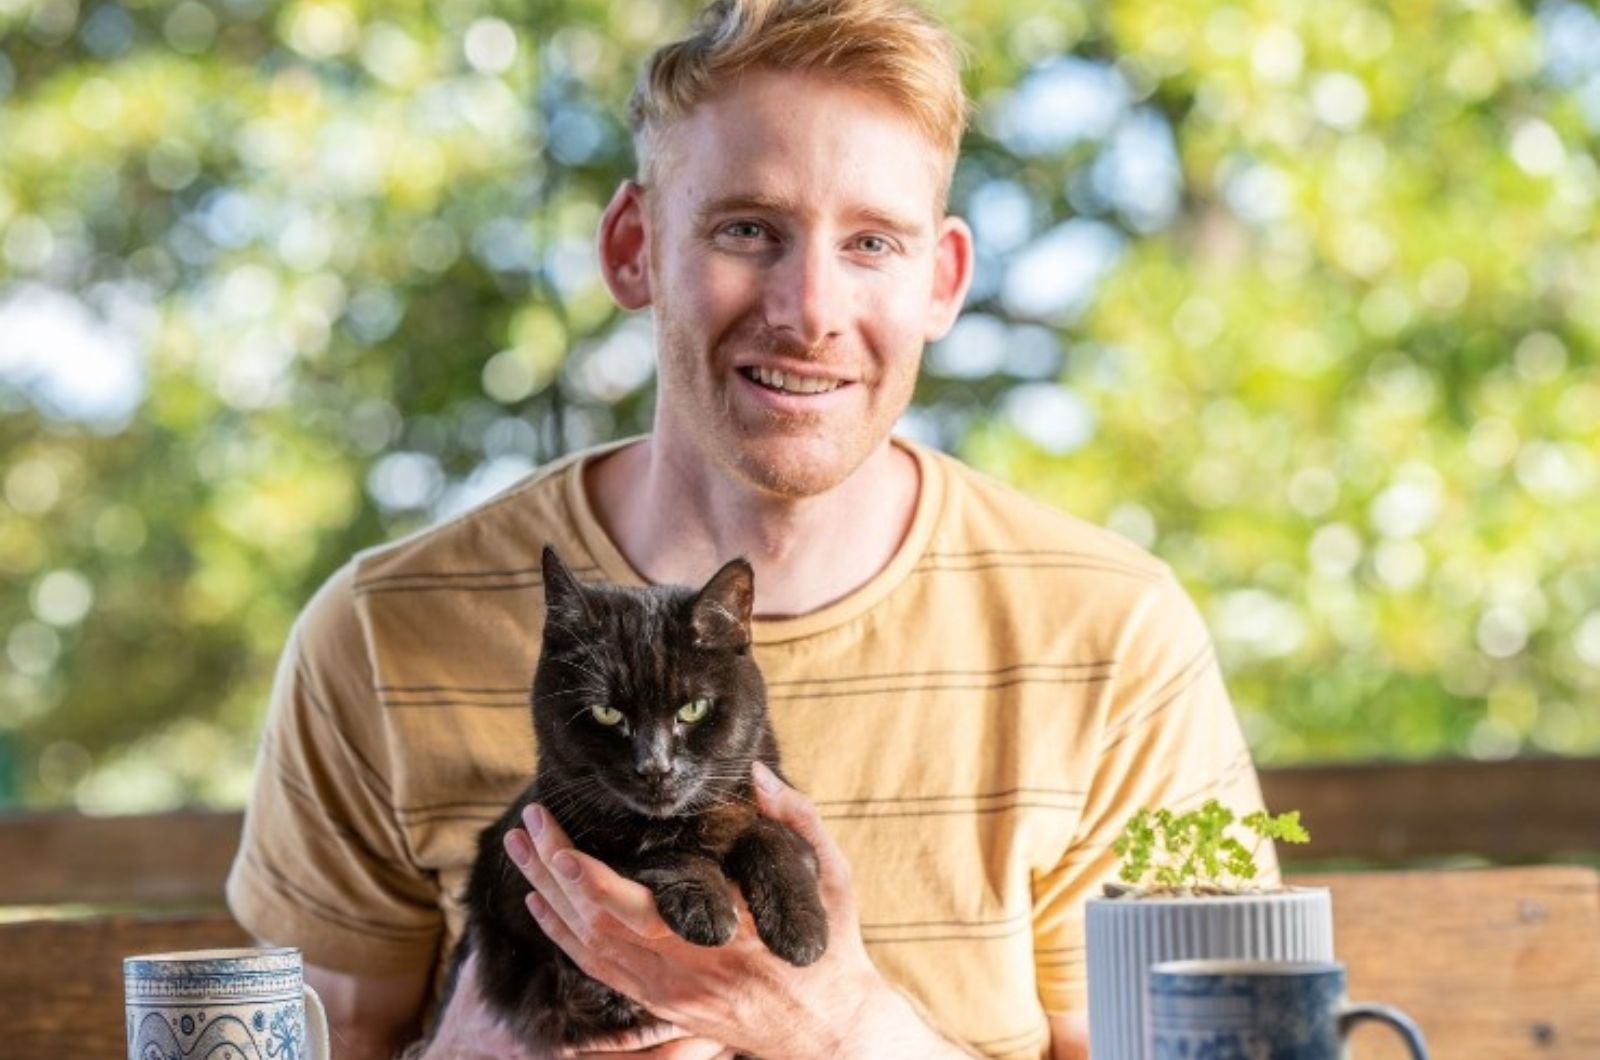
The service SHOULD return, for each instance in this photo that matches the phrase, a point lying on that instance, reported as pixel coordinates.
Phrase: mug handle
(1350, 1015)
(317, 1025)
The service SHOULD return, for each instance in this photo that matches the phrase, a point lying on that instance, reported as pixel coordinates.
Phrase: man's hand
(739, 993)
(468, 1030)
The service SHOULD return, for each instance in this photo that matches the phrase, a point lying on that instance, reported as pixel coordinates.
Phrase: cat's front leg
(777, 872)
(691, 895)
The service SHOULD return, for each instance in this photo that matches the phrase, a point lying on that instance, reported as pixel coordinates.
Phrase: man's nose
(805, 293)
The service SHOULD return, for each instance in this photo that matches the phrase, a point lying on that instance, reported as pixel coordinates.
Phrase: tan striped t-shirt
(975, 724)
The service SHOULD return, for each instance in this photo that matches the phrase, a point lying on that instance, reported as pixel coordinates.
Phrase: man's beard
(762, 454)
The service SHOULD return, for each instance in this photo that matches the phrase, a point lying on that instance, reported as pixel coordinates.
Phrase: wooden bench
(62, 977)
(1494, 963)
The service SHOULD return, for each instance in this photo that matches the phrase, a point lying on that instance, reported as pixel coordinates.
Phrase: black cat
(649, 712)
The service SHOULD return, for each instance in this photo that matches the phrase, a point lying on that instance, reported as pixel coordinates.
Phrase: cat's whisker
(567, 693)
(581, 688)
(574, 664)
(553, 620)
(570, 800)
(579, 813)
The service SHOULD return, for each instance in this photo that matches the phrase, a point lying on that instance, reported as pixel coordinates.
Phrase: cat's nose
(652, 768)
(652, 757)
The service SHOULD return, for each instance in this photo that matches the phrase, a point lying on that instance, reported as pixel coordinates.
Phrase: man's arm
(1069, 1037)
(323, 863)
(370, 1017)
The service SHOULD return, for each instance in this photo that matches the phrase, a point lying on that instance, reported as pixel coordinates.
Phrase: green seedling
(1194, 853)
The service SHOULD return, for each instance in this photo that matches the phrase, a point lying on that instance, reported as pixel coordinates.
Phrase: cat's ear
(721, 613)
(564, 606)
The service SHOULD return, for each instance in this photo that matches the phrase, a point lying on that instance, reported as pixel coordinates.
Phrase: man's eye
(874, 244)
(743, 230)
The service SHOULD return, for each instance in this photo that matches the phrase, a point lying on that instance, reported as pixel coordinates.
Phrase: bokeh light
(1300, 299)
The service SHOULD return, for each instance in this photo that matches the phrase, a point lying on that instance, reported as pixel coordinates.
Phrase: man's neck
(678, 521)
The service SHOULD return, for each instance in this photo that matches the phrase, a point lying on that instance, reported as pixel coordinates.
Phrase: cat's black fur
(682, 833)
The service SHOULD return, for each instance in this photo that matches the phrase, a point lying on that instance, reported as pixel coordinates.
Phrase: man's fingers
(557, 931)
(607, 957)
(627, 1043)
(596, 890)
(684, 1048)
(688, 1049)
(782, 803)
(522, 847)
(582, 891)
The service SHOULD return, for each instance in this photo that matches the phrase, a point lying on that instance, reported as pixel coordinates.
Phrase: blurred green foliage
(1296, 294)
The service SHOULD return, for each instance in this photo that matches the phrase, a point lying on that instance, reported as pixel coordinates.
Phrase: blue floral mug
(1259, 1010)
(222, 1005)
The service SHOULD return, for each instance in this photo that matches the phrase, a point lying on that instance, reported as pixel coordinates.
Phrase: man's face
(798, 262)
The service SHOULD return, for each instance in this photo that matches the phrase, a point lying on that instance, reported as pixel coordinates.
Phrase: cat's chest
(662, 840)
(711, 833)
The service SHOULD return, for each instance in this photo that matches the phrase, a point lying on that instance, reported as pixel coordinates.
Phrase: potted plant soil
(1188, 892)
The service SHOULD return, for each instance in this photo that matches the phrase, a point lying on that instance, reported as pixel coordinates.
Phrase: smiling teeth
(792, 384)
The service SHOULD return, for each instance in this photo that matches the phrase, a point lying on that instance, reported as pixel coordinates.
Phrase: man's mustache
(780, 343)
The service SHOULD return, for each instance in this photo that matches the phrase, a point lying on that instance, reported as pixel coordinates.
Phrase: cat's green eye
(690, 713)
(606, 716)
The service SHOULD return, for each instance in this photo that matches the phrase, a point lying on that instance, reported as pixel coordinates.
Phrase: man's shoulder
(493, 545)
(991, 519)
(495, 540)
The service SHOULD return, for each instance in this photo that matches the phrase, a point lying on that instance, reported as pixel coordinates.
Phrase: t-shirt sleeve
(1169, 738)
(322, 863)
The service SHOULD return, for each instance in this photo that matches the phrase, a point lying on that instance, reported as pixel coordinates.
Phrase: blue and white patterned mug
(222, 1005)
(1259, 1010)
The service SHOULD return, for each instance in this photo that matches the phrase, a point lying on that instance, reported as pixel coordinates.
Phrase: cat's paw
(797, 930)
(701, 915)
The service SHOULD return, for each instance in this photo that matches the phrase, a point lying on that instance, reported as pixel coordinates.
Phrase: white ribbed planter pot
(1127, 935)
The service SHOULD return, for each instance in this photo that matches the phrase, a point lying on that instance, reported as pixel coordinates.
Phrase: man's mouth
(788, 382)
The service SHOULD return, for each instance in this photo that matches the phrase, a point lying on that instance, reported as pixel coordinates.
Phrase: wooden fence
(1382, 814)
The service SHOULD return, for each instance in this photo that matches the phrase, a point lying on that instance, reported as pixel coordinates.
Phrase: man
(973, 690)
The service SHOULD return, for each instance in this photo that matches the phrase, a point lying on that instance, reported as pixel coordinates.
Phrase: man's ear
(624, 246)
(952, 275)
